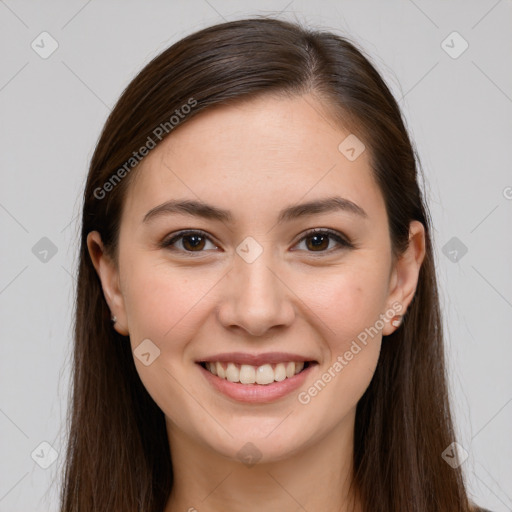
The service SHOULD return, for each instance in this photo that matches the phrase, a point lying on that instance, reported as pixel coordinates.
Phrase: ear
(404, 276)
(109, 277)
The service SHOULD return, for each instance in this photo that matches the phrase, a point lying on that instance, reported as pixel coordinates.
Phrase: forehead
(254, 154)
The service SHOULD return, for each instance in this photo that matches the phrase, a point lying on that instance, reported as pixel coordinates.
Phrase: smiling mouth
(263, 375)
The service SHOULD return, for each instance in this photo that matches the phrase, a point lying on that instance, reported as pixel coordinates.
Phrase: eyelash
(341, 240)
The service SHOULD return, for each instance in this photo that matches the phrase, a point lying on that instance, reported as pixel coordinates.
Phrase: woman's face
(253, 281)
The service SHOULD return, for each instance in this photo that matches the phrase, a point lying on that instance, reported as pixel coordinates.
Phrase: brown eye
(319, 241)
(191, 241)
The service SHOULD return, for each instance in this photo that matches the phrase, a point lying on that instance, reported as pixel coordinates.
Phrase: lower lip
(257, 393)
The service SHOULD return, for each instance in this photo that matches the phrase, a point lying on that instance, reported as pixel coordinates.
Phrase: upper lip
(255, 359)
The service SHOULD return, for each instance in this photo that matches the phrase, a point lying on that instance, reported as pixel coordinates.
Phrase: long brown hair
(118, 456)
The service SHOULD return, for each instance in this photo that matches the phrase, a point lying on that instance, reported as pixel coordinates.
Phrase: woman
(257, 318)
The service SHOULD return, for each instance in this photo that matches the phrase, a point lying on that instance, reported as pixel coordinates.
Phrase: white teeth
(220, 370)
(232, 373)
(248, 374)
(265, 374)
(280, 372)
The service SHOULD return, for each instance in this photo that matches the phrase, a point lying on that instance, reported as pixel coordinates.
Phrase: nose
(256, 298)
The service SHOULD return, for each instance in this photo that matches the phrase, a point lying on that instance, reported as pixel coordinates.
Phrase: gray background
(459, 112)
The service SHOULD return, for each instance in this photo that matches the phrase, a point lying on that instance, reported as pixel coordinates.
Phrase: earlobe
(406, 273)
(109, 276)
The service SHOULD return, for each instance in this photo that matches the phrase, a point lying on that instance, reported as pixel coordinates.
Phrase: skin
(254, 159)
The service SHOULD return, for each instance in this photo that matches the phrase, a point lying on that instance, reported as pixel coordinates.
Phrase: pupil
(318, 240)
(195, 244)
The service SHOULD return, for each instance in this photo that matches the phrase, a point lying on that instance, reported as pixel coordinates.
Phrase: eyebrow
(206, 211)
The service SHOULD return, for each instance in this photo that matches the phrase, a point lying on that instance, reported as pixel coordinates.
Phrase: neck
(315, 478)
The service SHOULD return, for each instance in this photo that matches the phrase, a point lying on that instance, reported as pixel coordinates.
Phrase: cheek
(162, 301)
(164, 305)
(347, 301)
(349, 308)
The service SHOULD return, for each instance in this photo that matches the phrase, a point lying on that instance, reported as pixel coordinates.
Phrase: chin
(261, 447)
